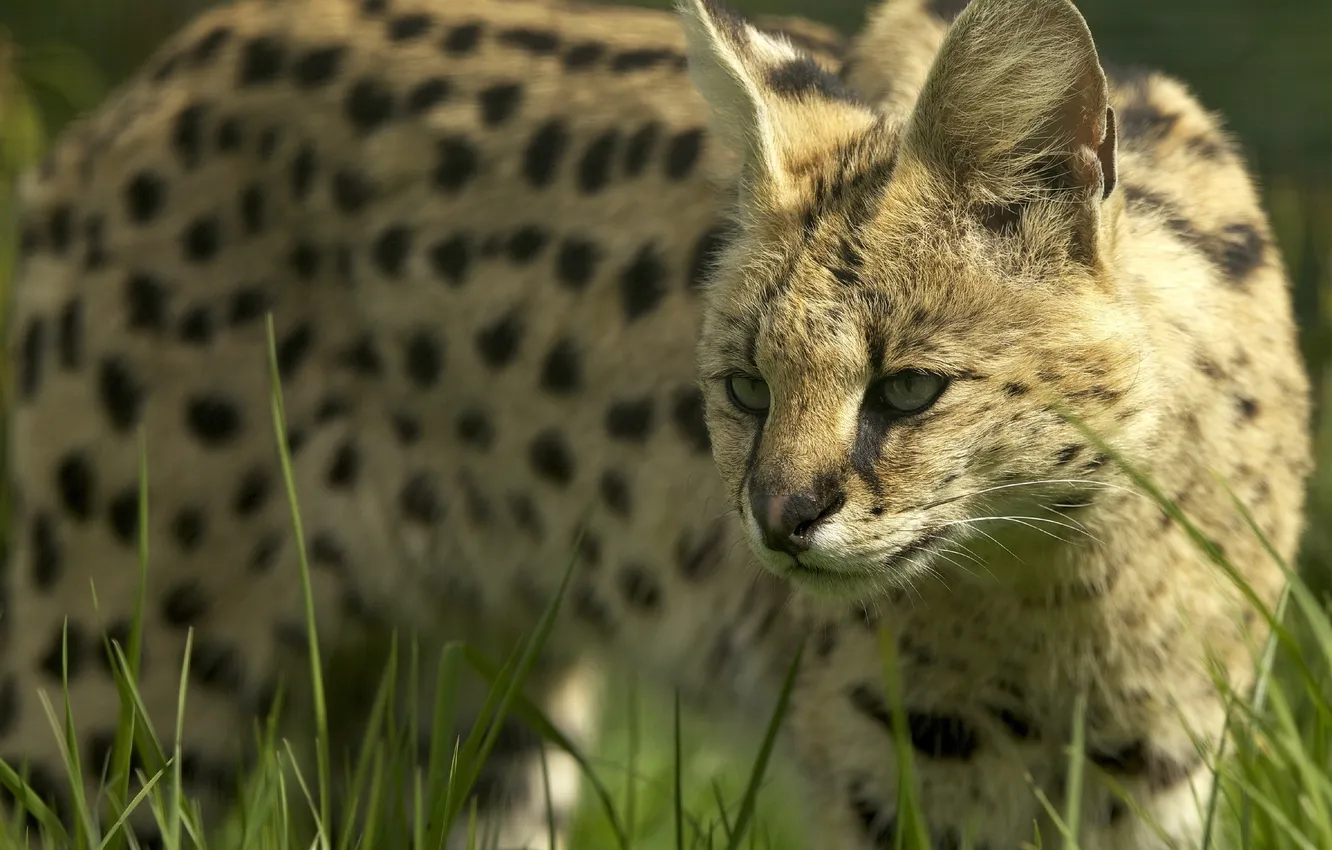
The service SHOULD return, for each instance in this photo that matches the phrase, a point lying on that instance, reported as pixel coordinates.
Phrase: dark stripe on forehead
(855, 181)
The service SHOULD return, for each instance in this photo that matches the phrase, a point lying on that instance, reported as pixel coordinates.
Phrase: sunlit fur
(1028, 320)
(1071, 251)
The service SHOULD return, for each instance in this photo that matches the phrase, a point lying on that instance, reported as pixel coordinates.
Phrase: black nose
(788, 520)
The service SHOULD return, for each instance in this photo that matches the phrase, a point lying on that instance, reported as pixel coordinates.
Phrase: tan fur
(960, 229)
(441, 489)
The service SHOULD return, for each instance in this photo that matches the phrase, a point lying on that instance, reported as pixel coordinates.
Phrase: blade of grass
(750, 801)
(307, 592)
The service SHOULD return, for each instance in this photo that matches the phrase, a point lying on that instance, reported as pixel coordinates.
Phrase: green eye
(908, 391)
(748, 394)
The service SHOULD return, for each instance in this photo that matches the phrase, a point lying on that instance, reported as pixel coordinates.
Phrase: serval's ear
(771, 104)
(1015, 110)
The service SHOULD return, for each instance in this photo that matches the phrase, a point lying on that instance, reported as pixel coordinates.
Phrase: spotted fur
(1000, 220)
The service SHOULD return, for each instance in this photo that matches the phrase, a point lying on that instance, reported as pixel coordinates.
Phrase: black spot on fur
(33, 357)
(1138, 760)
(595, 166)
(318, 66)
(641, 59)
(1018, 726)
(123, 512)
(942, 736)
(583, 55)
(94, 234)
(630, 421)
(253, 491)
(201, 239)
(345, 467)
(880, 827)
(423, 359)
(187, 134)
(65, 653)
(638, 148)
(217, 667)
(293, 349)
(303, 168)
(121, 393)
(551, 458)
(698, 556)
(264, 554)
(196, 326)
(327, 552)
(247, 305)
(562, 370)
(499, 102)
(476, 429)
(76, 483)
(419, 499)
(498, 342)
(252, 209)
(450, 259)
(462, 39)
(803, 78)
(145, 302)
(304, 260)
(1237, 251)
(544, 152)
(427, 94)
(456, 163)
(576, 263)
(641, 288)
(69, 336)
(539, 42)
(9, 704)
(362, 357)
(615, 493)
(352, 190)
(391, 250)
(409, 27)
(682, 153)
(187, 528)
(589, 607)
(184, 605)
(525, 244)
(261, 61)
(229, 135)
(145, 195)
(369, 104)
(213, 418)
(206, 49)
(934, 735)
(58, 226)
(640, 588)
(48, 563)
(526, 516)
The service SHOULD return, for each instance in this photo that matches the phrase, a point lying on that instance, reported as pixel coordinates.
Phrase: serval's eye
(906, 392)
(748, 394)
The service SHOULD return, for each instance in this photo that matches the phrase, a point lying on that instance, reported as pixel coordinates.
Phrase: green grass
(658, 778)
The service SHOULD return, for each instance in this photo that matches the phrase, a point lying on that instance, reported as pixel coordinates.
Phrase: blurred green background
(1267, 66)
